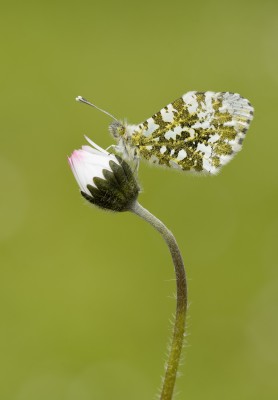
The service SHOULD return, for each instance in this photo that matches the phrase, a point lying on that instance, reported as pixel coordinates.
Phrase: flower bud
(104, 179)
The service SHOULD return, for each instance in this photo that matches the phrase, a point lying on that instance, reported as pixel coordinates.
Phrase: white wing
(199, 132)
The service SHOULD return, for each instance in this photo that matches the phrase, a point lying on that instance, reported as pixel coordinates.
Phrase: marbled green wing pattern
(199, 132)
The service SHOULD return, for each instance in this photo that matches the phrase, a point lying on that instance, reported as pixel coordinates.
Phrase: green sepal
(124, 174)
(117, 191)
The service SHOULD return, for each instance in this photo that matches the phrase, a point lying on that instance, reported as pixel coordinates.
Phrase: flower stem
(180, 317)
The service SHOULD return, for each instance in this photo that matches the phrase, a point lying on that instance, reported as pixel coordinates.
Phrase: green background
(86, 297)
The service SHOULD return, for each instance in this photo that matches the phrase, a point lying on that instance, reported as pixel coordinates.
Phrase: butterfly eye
(116, 129)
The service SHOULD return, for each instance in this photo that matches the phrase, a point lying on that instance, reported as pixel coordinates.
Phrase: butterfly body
(199, 132)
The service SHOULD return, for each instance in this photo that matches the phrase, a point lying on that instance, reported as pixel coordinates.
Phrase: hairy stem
(180, 317)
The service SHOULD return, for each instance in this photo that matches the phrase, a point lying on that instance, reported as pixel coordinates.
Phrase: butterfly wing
(199, 132)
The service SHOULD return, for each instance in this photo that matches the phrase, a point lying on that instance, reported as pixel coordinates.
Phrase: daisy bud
(104, 179)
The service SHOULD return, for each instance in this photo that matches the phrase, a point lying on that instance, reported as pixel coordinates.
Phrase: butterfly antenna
(82, 100)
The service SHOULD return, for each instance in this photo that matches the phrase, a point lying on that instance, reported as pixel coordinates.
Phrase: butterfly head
(117, 129)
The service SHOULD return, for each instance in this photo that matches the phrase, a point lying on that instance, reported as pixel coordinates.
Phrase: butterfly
(199, 132)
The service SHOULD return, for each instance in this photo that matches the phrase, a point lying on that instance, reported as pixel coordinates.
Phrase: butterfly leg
(136, 162)
(112, 146)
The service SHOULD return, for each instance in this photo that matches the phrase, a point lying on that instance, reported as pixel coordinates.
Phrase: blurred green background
(85, 311)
